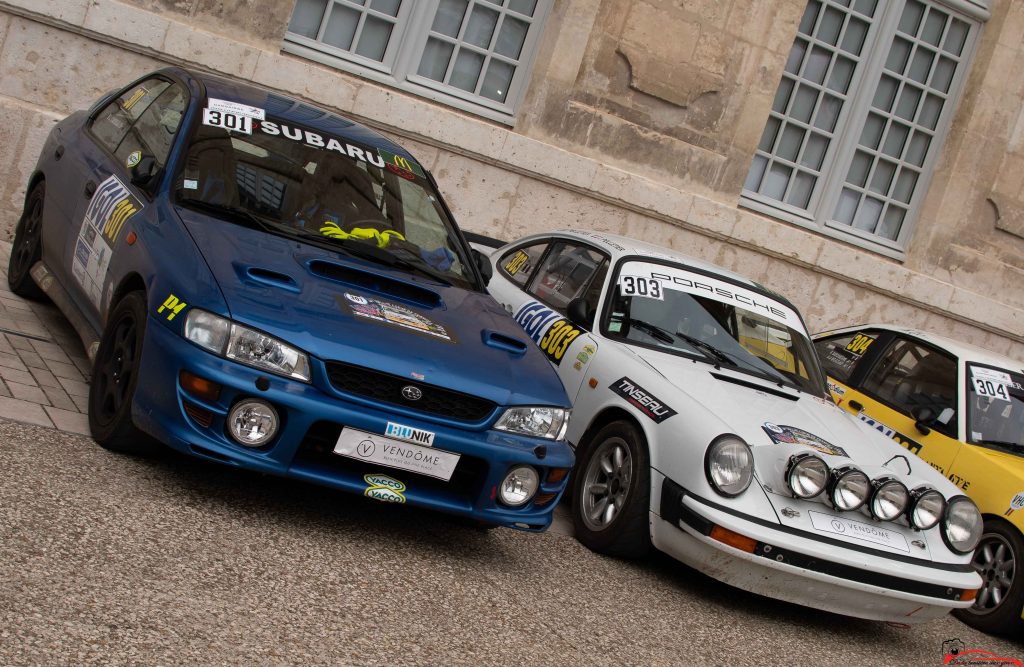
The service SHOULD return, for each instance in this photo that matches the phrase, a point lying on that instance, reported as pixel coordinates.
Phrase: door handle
(90, 188)
(59, 153)
(856, 405)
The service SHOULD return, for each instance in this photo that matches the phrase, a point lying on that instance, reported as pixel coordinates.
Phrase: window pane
(868, 214)
(511, 38)
(910, 98)
(872, 132)
(866, 7)
(882, 178)
(810, 17)
(467, 68)
(814, 151)
(859, 169)
(847, 206)
(449, 15)
(905, 183)
(771, 129)
(526, 7)
(496, 82)
(930, 111)
(828, 113)
(481, 26)
(776, 181)
(918, 148)
(831, 24)
(885, 94)
(341, 27)
(789, 145)
(956, 37)
(519, 264)
(796, 56)
(373, 41)
(895, 139)
(934, 25)
(911, 18)
(898, 55)
(817, 65)
(803, 104)
(755, 173)
(892, 221)
(921, 65)
(853, 39)
(389, 7)
(910, 376)
(943, 75)
(800, 193)
(435, 59)
(307, 17)
(842, 73)
(564, 274)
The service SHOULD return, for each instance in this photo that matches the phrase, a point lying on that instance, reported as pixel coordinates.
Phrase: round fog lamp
(849, 489)
(252, 423)
(807, 476)
(927, 509)
(889, 500)
(519, 486)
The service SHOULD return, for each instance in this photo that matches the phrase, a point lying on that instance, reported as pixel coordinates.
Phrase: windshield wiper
(708, 349)
(1012, 446)
(236, 212)
(654, 331)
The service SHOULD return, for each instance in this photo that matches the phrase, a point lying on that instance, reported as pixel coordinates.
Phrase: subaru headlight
(539, 422)
(962, 526)
(244, 345)
(926, 508)
(729, 465)
(807, 475)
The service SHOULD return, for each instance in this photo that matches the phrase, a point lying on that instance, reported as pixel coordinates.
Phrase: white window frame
(850, 124)
(405, 49)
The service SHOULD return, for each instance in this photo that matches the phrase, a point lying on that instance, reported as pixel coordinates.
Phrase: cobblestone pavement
(44, 372)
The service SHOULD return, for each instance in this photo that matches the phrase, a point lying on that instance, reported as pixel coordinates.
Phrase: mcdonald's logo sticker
(401, 162)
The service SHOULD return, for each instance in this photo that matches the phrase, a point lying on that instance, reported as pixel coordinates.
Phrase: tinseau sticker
(396, 315)
(790, 435)
(642, 400)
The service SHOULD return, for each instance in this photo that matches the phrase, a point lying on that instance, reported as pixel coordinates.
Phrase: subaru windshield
(995, 408)
(675, 310)
(292, 181)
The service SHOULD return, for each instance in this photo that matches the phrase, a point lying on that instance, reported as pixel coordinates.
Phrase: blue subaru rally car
(268, 285)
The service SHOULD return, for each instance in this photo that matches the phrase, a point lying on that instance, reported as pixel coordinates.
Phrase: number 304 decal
(636, 286)
(991, 389)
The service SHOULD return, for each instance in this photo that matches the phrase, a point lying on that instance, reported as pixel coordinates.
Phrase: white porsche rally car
(703, 426)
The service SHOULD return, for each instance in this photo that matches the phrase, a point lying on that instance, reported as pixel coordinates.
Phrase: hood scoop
(364, 280)
(267, 278)
(753, 385)
(500, 341)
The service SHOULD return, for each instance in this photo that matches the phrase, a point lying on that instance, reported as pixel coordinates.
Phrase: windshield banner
(640, 277)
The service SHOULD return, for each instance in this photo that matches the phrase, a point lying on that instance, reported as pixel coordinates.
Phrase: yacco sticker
(681, 280)
(904, 441)
(516, 263)
(1017, 503)
(552, 332)
(410, 434)
(791, 435)
(642, 400)
(860, 344)
(172, 305)
(398, 316)
(383, 488)
(111, 206)
(318, 141)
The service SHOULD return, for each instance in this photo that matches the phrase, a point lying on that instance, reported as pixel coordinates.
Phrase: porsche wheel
(611, 492)
(27, 248)
(999, 559)
(115, 375)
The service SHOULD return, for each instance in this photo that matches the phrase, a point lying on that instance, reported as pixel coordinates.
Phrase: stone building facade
(665, 120)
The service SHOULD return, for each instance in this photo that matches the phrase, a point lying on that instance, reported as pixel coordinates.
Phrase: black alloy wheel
(27, 248)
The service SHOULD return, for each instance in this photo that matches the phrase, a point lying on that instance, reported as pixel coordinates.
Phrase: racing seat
(216, 171)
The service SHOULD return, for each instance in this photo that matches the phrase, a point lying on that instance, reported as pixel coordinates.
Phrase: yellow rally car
(961, 409)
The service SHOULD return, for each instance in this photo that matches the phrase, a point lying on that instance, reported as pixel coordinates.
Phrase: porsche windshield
(995, 408)
(676, 310)
(296, 182)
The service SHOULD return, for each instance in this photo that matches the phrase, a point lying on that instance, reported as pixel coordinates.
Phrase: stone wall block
(870, 269)
(713, 216)
(928, 290)
(539, 206)
(778, 238)
(209, 50)
(480, 195)
(23, 130)
(302, 78)
(547, 160)
(70, 11)
(125, 22)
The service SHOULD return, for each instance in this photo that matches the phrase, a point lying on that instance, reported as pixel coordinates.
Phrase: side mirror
(484, 264)
(924, 417)
(144, 171)
(577, 313)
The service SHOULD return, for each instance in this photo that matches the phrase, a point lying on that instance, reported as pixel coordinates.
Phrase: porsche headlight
(848, 488)
(729, 465)
(889, 499)
(807, 475)
(539, 422)
(926, 508)
(244, 345)
(962, 526)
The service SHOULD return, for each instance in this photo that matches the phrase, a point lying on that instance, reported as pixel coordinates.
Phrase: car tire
(1000, 552)
(27, 248)
(115, 375)
(611, 492)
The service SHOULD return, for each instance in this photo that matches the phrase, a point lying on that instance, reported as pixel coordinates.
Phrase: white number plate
(392, 453)
(856, 530)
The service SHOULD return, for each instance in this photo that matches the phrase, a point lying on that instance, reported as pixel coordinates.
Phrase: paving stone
(19, 342)
(63, 370)
(12, 361)
(31, 359)
(12, 375)
(23, 411)
(59, 398)
(26, 392)
(5, 345)
(16, 304)
(74, 387)
(45, 378)
(3, 389)
(81, 402)
(50, 351)
(67, 420)
(83, 365)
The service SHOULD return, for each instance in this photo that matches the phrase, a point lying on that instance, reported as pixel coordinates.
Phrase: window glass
(593, 294)
(995, 408)
(565, 274)
(154, 131)
(519, 264)
(839, 354)
(114, 120)
(910, 376)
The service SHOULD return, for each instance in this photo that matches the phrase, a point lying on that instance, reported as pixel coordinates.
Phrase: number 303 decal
(636, 286)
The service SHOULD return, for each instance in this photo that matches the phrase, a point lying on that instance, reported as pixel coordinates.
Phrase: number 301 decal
(228, 121)
(636, 286)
